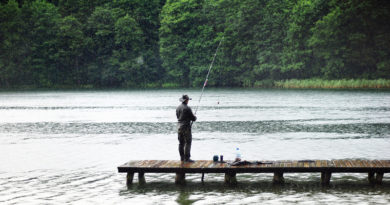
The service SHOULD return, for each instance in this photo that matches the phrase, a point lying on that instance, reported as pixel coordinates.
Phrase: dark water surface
(64, 147)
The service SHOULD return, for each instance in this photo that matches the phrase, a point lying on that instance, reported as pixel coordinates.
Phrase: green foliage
(351, 39)
(11, 44)
(334, 84)
(170, 85)
(128, 45)
(265, 84)
(71, 45)
(171, 43)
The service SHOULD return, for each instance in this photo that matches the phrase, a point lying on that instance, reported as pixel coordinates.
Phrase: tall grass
(334, 84)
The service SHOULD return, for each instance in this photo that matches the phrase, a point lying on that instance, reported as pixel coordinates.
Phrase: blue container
(215, 158)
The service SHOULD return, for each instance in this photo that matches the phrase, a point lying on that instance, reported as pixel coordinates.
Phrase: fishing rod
(207, 77)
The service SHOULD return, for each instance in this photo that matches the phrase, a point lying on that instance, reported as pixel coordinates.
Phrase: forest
(170, 43)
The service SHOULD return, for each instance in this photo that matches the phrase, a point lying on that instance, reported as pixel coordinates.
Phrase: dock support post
(375, 178)
(141, 178)
(278, 178)
(129, 178)
(230, 178)
(202, 177)
(379, 177)
(180, 178)
(325, 178)
(371, 177)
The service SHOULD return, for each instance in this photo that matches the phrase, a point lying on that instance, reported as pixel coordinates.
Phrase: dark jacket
(184, 115)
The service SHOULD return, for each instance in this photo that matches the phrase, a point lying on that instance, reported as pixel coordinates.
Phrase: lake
(64, 146)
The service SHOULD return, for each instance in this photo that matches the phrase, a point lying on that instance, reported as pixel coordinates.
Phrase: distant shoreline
(378, 84)
(334, 84)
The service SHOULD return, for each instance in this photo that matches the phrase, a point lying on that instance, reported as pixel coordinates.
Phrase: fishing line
(207, 77)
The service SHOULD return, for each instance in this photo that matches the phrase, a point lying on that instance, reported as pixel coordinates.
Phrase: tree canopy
(138, 43)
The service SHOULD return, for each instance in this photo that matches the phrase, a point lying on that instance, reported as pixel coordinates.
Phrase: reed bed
(334, 84)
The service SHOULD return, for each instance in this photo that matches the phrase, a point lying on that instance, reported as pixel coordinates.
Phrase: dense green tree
(352, 40)
(138, 43)
(127, 59)
(147, 16)
(12, 51)
(71, 46)
(178, 19)
(41, 29)
(298, 59)
(81, 9)
(101, 43)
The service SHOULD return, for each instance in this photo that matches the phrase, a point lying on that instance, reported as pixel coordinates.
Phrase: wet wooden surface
(208, 166)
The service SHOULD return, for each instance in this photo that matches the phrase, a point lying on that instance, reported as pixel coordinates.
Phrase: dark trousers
(185, 140)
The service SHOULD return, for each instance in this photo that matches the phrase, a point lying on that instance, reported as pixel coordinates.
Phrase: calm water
(64, 147)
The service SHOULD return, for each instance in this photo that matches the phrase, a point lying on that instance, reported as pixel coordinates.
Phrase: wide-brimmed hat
(184, 98)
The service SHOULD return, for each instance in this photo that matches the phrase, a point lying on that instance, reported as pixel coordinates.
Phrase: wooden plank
(343, 163)
(373, 163)
(279, 165)
(202, 163)
(152, 163)
(141, 164)
(323, 163)
(166, 162)
(169, 164)
(348, 163)
(365, 163)
(287, 163)
(333, 162)
(312, 164)
(385, 163)
(377, 163)
(358, 163)
(208, 164)
(370, 164)
(354, 163)
(220, 165)
(137, 164)
(131, 163)
(158, 164)
(195, 164)
(294, 164)
(318, 163)
(336, 163)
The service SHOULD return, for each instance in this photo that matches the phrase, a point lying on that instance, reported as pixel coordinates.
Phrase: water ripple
(382, 129)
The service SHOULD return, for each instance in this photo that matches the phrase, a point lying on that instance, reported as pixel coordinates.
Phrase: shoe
(189, 161)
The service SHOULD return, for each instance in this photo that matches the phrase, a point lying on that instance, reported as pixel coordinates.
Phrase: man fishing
(184, 116)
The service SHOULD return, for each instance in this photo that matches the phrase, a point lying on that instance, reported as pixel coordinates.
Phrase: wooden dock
(374, 168)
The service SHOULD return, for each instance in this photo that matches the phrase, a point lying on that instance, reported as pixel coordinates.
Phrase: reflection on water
(64, 147)
(257, 189)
